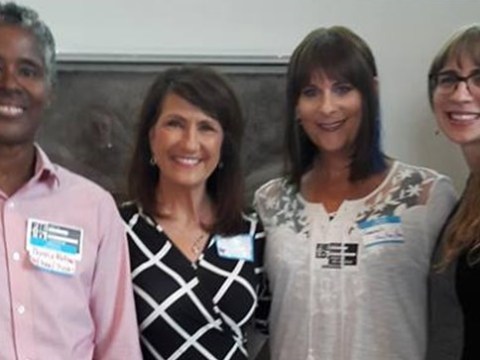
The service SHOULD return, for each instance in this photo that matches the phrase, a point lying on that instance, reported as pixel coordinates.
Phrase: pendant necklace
(198, 245)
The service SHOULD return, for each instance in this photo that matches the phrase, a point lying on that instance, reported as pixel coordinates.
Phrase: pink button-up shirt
(46, 315)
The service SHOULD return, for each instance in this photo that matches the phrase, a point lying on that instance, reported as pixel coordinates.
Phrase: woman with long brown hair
(196, 258)
(454, 90)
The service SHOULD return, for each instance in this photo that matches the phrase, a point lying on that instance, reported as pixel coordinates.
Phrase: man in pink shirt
(65, 290)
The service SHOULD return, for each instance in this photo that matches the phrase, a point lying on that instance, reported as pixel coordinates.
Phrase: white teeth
(331, 126)
(7, 110)
(187, 160)
(464, 116)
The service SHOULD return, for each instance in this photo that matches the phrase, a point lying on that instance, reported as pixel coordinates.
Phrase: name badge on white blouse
(381, 231)
(54, 247)
(239, 247)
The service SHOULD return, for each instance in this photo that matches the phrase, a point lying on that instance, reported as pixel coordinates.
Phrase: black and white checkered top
(191, 310)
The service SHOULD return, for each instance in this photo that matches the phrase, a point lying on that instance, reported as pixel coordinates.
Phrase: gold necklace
(198, 245)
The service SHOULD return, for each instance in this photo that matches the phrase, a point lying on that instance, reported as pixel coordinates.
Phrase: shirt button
(21, 309)
(11, 204)
(16, 256)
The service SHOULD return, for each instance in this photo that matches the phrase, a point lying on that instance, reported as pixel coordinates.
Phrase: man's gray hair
(26, 18)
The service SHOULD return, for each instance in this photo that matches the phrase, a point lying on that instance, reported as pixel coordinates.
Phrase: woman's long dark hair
(206, 89)
(462, 233)
(340, 54)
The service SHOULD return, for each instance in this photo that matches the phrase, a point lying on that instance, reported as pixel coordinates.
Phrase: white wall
(403, 34)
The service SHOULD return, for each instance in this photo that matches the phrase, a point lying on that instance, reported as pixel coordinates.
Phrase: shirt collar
(45, 170)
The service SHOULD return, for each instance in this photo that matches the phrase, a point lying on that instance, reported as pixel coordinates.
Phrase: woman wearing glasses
(454, 90)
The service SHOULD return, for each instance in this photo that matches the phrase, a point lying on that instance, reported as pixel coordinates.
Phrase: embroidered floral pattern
(407, 187)
(282, 207)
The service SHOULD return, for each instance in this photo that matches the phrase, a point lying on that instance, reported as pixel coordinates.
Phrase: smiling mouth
(463, 118)
(187, 161)
(10, 111)
(332, 126)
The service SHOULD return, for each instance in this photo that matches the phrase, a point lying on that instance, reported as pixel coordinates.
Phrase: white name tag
(239, 247)
(54, 247)
(382, 231)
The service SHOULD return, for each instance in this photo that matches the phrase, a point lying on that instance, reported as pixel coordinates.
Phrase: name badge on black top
(238, 247)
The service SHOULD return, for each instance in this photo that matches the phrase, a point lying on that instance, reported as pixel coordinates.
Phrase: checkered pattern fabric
(190, 310)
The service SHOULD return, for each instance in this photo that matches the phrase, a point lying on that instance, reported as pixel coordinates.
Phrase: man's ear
(51, 97)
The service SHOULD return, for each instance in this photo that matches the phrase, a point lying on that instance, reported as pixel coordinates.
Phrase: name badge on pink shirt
(54, 247)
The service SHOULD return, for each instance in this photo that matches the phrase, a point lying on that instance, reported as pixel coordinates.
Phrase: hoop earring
(152, 161)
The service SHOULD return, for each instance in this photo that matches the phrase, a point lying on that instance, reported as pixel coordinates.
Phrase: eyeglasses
(445, 83)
